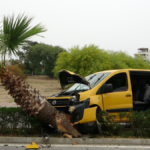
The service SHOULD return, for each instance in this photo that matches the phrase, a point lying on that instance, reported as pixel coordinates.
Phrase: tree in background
(23, 56)
(41, 58)
(121, 60)
(90, 59)
(15, 32)
(83, 61)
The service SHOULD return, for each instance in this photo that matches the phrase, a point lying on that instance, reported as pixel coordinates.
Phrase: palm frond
(17, 30)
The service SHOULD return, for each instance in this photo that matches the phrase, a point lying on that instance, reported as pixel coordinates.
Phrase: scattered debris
(45, 136)
(34, 145)
(67, 135)
(74, 143)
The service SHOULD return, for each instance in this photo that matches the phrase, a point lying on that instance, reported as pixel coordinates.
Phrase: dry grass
(44, 84)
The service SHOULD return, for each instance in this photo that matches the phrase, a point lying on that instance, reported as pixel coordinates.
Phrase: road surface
(74, 147)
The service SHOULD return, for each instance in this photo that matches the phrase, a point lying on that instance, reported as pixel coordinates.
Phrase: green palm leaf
(16, 31)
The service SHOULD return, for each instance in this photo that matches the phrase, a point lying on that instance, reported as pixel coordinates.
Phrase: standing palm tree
(14, 33)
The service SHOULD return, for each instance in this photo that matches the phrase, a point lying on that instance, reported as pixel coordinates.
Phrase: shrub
(17, 71)
(109, 127)
(16, 121)
(139, 122)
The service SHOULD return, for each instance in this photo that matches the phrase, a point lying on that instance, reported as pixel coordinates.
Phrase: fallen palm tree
(31, 101)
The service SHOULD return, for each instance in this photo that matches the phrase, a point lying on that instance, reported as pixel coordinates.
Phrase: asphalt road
(15, 143)
(74, 147)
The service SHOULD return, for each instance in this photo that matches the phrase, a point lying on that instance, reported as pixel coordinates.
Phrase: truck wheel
(86, 128)
(90, 127)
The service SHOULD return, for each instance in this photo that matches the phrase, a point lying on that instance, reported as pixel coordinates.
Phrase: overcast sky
(110, 24)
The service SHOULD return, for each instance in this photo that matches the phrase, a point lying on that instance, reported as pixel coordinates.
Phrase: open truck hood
(66, 77)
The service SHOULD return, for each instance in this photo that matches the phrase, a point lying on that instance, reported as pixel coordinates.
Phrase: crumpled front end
(81, 113)
(79, 110)
(69, 101)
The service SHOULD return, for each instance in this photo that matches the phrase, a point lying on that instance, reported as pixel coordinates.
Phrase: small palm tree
(14, 33)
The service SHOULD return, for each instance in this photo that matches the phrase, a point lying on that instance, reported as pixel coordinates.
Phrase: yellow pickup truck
(112, 91)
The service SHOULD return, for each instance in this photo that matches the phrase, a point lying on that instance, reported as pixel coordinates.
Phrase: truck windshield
(94, 79)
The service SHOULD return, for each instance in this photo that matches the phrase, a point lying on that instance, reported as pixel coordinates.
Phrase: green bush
(109, 127)
(17, 122)
(16, 70)
(138, 125)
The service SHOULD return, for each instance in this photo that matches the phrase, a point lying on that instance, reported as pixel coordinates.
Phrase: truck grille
(58, 102)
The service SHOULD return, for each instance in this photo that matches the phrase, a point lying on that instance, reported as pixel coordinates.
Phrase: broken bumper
(81, 113)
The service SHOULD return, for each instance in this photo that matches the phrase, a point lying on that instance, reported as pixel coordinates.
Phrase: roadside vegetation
(136, 124)
(16, 122)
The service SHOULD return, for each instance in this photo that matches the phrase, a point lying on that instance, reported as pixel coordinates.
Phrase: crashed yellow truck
(112, 91)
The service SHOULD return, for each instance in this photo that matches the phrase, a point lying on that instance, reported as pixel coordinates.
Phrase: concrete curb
(100, 141)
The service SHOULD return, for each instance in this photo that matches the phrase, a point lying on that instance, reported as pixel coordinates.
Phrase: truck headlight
(73, 98)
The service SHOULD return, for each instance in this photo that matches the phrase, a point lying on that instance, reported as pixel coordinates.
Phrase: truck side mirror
(108, 88)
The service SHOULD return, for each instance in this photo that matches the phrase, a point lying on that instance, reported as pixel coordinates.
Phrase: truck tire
(90, 127)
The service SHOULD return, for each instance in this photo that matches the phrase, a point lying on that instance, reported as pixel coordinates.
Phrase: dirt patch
(44, 84)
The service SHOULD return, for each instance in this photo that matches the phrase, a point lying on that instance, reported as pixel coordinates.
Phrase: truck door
(120, 99)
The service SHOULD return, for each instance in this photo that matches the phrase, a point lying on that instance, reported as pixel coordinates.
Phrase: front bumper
(81, 113)
(61, 104)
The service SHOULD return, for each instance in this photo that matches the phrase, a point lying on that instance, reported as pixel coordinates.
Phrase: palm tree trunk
(31, 101)
(4, 56)
(4, 60)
